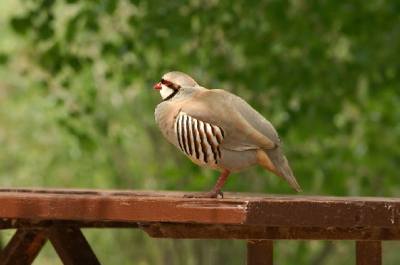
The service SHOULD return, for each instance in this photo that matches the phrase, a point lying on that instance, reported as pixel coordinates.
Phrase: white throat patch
(166, 91)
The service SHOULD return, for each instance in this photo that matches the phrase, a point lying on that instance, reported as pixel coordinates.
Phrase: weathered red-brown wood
(13, 223)
(71, 246)
(368, 253)
(259, 219)
(23, 247)
(249, 232)
(260, 252)
(118, 206)
(272, 210)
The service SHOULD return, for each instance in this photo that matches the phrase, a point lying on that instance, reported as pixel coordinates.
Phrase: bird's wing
(230, 113)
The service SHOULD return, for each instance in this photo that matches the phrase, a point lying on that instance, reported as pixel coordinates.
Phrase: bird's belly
(236, 161)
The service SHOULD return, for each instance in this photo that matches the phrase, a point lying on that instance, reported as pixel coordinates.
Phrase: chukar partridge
(217, 129)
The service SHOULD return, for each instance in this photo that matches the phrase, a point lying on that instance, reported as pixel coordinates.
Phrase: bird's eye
(166, 82)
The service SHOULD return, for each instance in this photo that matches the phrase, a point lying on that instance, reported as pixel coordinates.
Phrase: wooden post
(368, 252)
(260, 252)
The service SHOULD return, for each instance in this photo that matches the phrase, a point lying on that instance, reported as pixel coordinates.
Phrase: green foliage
(76, 104)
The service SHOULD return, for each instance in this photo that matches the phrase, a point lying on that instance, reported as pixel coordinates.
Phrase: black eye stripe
(169, 84)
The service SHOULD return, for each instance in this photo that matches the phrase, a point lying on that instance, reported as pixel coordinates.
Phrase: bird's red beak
(158, 86)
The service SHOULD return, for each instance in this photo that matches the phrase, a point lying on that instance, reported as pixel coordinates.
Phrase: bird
(217, 129)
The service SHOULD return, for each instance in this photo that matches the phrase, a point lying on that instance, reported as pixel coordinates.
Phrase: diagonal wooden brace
(23, 247)
(71, 245)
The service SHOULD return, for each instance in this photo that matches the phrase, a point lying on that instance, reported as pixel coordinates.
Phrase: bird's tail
(275, 161)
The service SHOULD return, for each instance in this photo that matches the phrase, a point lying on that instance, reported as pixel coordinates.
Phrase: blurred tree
(76, 103)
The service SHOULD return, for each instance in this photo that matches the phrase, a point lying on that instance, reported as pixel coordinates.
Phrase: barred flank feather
(197, 139)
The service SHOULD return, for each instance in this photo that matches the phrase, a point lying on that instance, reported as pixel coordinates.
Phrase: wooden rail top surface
(171, 207)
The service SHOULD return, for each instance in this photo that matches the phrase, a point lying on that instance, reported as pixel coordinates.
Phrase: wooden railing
(58, 215)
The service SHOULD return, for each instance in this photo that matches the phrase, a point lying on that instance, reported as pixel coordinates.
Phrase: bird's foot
(211, 194)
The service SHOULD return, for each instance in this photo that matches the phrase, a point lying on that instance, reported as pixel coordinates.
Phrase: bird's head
(172, 82)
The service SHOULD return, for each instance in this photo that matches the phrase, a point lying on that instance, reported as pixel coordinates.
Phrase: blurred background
(77, 105)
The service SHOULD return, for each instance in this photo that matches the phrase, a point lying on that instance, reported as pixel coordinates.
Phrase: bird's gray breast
(165, 113)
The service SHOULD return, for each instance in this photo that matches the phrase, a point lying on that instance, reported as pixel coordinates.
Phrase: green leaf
(4, 58)
(21, 24)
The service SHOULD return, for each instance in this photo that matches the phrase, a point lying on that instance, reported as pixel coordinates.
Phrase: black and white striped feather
(199, 140)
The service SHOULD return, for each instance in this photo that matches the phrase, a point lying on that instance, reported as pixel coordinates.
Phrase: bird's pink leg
(221, 181)
(216, 190)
